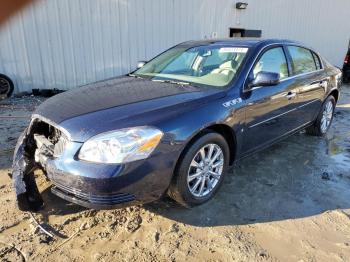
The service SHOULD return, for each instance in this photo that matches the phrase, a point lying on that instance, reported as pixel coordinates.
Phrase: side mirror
(265, 79)
(140, 64)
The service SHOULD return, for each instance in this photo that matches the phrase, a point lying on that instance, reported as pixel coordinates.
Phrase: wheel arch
(335, 94)
(230, 137)
(226, 131)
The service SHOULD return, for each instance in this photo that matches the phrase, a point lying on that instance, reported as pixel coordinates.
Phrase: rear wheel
(324, 118)
(200, 170)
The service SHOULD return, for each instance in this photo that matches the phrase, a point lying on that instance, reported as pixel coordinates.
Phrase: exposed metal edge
(50, 122)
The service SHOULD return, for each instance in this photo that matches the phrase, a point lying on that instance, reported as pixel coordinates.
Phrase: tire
(179, 189)
(6, 85)
(317, 129)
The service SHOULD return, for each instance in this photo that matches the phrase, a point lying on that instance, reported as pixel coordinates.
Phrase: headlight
(121, 146)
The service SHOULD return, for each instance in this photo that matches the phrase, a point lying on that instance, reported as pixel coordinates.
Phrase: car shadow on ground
(299, 177)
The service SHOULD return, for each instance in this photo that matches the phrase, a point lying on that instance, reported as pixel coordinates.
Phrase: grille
(108, 199)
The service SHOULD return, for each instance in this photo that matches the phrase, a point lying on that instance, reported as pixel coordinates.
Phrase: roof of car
(240, 42)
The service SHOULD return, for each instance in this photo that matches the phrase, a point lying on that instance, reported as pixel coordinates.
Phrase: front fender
(181, 130)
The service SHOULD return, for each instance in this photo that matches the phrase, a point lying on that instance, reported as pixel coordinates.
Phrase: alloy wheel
(327, 116)
(205, 170)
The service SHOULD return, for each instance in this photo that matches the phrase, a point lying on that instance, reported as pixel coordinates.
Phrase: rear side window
(273, 60)
(317, 61)
(302, 60)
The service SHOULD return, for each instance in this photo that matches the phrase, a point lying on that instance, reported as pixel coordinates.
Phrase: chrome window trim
(303, 74)
(284, 79)
(316, 53)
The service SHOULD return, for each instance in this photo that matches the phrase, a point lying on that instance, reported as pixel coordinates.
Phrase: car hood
(119, 102)
(106, 94)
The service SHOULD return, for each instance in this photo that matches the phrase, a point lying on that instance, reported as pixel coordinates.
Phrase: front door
(269, 109)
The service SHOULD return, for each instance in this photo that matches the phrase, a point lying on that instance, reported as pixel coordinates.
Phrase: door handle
(291, 95)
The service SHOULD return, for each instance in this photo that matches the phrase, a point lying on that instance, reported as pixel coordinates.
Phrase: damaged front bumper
(96, 186)
(28, 196)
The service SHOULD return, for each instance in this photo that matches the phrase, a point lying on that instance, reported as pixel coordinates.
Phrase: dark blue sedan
(176, 124)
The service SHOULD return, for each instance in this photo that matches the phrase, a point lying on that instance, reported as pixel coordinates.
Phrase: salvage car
(176, 124)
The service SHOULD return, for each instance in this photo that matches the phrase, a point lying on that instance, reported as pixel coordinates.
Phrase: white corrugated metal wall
(66, 43)
(322, 24)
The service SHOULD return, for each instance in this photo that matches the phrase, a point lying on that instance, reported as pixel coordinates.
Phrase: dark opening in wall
(239, 32)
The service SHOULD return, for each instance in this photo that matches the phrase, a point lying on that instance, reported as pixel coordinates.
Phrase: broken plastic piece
(28, 196)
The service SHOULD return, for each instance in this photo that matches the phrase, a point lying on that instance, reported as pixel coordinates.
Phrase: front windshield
(204, 65)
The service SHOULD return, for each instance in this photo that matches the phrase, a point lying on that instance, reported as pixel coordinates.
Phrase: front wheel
(200, 170)
(324, 118)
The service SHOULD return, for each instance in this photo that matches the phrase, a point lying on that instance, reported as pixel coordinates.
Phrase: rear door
(269, 108)
(310, 83)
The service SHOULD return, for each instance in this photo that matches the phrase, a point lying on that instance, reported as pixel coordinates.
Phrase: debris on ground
(38, 225)
(325, 176)
(46, 92)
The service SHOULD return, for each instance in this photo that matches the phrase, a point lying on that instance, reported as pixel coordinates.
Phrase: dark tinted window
(273, 60)
(302, 60)
(317, 61)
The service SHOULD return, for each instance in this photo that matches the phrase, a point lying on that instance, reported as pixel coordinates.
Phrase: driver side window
(273, 60)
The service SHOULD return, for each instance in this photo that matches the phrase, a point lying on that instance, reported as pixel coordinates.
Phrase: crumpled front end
(35, 145)
(28, 197)
(47, 146)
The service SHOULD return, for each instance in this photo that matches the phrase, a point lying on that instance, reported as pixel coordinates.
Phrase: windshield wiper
(132, 75)
(171, 82)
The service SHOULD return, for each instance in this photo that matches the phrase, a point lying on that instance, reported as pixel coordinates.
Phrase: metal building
(66, 43)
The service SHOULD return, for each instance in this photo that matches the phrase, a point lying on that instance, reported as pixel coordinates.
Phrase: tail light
(346, 60)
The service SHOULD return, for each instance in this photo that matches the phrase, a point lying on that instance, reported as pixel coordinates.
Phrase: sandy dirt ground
(287, 203)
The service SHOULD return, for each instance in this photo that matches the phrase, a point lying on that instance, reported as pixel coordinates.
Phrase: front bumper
(96, 186)
(94, 201)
